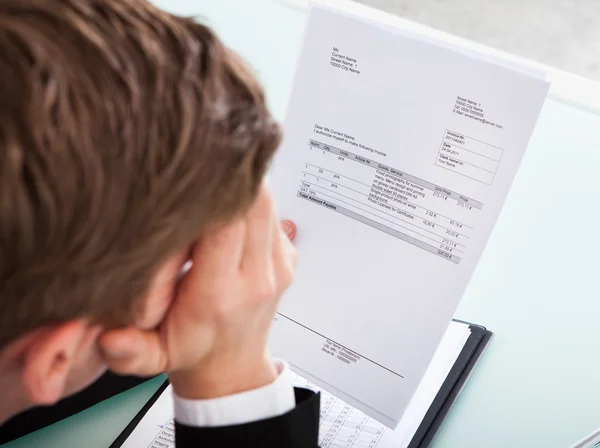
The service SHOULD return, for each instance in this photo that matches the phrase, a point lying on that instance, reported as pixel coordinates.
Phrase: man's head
(125, 133)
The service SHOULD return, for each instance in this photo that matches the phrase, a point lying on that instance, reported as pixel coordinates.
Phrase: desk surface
(535, 287)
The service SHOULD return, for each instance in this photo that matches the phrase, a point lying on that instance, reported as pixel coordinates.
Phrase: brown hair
(124, 132)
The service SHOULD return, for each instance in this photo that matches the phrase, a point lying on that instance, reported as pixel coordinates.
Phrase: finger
(289, 228)
(131, 351)
(259, 234)
(284, 258)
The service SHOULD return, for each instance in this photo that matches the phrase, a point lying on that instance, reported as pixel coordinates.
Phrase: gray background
(561, 33)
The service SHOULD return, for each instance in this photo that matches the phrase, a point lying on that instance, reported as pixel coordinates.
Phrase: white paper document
(341, 425)
(397, 158)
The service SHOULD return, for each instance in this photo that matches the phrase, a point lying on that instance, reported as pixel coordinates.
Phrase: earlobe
(48, 360)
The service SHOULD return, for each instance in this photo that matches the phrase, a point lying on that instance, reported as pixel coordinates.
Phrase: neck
(14, 400)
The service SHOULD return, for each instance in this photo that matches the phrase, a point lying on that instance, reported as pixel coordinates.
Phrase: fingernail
(288, 227)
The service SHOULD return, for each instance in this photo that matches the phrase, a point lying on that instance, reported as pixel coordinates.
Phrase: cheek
(87, 369)
(157, 305)
(161, 293)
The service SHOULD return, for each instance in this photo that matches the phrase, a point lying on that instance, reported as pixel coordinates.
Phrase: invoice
(397, 158)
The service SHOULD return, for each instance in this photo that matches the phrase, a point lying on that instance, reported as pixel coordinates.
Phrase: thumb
(289, 228)
(131, 351)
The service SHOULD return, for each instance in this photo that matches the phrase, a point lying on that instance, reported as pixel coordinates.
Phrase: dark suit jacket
(296, 429)
(299, 428)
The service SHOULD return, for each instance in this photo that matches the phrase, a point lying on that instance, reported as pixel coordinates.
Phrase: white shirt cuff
(265, 402)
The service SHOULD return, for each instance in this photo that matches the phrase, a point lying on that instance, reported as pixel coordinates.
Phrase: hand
(213, 339)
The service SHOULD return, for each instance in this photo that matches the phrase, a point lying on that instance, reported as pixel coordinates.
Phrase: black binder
(138, 418)
(453, 386)
(438, 411)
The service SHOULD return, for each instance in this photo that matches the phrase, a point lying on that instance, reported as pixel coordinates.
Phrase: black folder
(453, 385)
(435, 416)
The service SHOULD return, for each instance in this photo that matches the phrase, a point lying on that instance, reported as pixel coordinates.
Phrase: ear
(49, 358)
